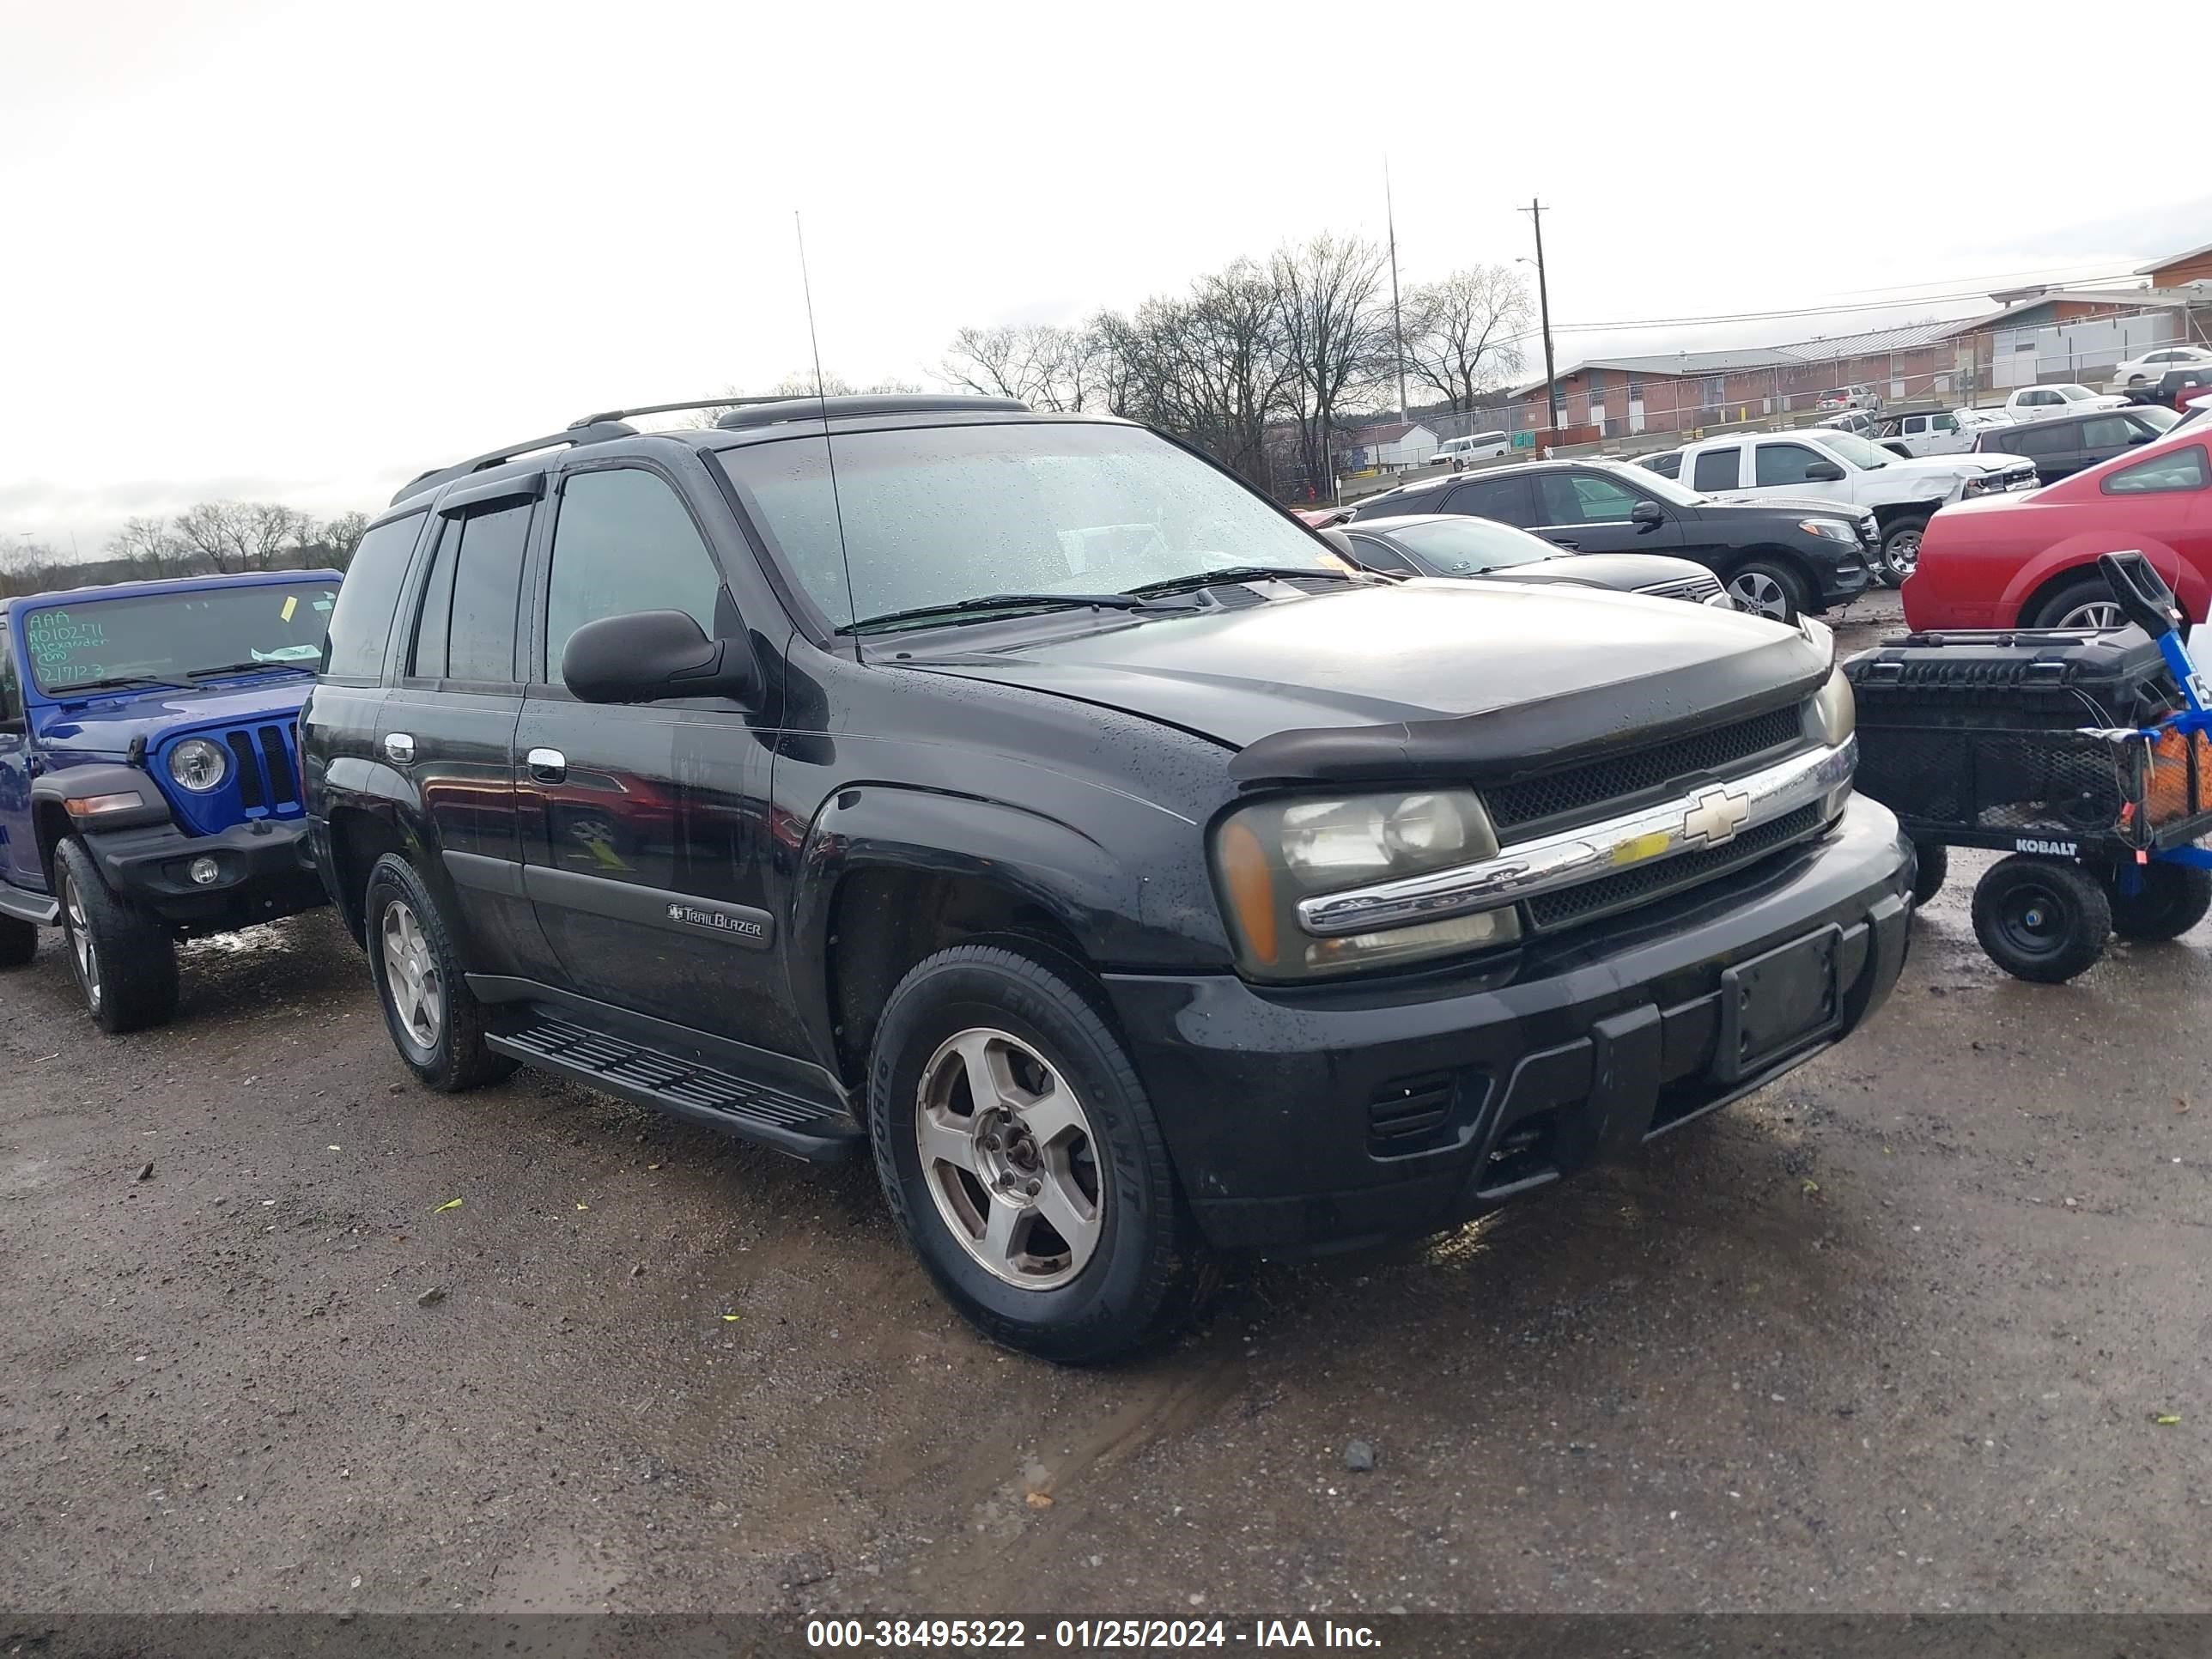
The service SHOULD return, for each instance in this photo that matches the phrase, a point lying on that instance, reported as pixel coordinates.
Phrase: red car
(2029, 561)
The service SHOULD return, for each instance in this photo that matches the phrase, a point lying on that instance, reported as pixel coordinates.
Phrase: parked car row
(1056, 822)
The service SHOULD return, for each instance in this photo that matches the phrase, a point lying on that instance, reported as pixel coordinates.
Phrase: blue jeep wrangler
(149, 777)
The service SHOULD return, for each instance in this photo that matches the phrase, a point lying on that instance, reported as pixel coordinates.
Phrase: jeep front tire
(124, 957)
(436, 1021)
(1021, 1159)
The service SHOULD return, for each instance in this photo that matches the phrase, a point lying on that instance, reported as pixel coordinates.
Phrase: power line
(1793, 311)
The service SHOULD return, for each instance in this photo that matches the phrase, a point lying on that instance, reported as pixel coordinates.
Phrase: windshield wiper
(1236, 573)
(999, 602)
(112, 683)
(246, 668)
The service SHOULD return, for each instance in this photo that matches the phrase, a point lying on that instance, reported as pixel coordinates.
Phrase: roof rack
(774, 411)
(602, 427)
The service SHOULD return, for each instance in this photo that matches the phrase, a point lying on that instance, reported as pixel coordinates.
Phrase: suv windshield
(941, 514)
(174, 636)
(1466, 547)
(1855, 449)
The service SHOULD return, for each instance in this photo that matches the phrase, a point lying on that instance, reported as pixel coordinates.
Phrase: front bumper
(1846, 579)
(263, 872)
(1316, 1119)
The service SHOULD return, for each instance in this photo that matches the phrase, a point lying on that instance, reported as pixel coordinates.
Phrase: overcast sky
(301, 250)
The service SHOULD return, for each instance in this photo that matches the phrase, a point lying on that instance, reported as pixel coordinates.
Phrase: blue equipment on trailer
(2088, 757)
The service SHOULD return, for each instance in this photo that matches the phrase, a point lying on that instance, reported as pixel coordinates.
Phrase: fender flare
(1039, 859)
(49, 790)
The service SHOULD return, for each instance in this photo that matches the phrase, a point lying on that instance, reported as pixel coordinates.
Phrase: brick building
(2178, 269)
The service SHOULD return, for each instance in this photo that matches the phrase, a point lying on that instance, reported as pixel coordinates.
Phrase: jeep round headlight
(1270, 855)
(198, 765)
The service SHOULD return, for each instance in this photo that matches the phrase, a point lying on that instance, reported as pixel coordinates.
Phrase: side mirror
(652, 654)
(1648, 514)
(1824, 472)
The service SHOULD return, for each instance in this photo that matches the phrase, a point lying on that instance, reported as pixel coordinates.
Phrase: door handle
(399, 748)
(547, 765)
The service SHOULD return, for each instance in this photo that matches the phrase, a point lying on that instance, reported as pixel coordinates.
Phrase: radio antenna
(822, 400)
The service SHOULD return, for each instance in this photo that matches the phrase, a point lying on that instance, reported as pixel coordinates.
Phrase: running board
(685, 1088)
(39, 908)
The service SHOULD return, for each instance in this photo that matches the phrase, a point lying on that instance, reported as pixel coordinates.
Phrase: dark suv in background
(2062, 444)
(1777, 558)
(1025, 801)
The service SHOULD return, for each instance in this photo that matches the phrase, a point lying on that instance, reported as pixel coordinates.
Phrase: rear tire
(436, 1021)
(2041, 919)
(2088, 603)
(1935, 865)
(2172, 899)
(1768, 588)
(1044, 1204)
(1901, 549)
(19, 942)
(125, 958)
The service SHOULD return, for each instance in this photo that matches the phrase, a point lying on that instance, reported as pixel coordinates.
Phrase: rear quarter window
(2179, 469)
(369, 599)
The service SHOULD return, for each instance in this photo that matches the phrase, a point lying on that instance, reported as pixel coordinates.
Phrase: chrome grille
(1695, 589)
(1610, 893)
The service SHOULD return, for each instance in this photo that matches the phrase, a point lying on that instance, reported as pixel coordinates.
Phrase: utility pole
(1397, 321)
(1535, 212)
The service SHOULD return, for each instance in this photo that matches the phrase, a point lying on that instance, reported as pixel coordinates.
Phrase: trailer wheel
(2170, 900)
(2041, 919)
(1933, 866)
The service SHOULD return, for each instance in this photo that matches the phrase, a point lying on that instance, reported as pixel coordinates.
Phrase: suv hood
(105, 729)
(1744, 504)
(1480, 678)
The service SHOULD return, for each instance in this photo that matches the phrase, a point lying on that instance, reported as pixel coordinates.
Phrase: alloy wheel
(2098, 613)
(1901, 554)
(1759, 593)
(83, 951)
(411, 979)
(1009, 1157)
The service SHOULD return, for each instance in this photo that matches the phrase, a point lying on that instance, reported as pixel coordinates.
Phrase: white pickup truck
(2036, 402)
(1818, 463)
(1932, 431)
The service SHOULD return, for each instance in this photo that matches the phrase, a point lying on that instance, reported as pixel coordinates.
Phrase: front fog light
(203, 870)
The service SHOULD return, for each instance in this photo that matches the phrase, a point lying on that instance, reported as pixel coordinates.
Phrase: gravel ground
(1894, 1333)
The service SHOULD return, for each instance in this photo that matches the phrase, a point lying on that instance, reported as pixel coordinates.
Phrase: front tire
(2088, 603)
(2041, 919)
(1766, 587)
(1933, 865)
(436, 1021)
(2170, 899)
(19, 942)
(1020, 1158)
(125, 958)
(1900, 548)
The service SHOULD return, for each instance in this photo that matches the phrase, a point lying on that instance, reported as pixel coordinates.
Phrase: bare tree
(1332, 336)
(235, 536)
(1206, 367)
(152, 547)
(1046, 366)
(339, 536)
(1462, 333)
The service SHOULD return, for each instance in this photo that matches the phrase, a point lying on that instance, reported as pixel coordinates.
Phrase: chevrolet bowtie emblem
(1716, 818)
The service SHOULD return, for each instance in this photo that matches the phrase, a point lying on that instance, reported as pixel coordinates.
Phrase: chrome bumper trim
(1711, 817)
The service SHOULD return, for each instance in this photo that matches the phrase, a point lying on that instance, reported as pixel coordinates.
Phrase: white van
(1475, 447)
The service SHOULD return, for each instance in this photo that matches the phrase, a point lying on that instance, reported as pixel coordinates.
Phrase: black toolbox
(2004, 739)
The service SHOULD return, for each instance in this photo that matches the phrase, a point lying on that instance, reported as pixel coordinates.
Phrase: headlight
(1268, 856)
(1835, 714)
(1982, 483)
(198, 765)
(1835, 529)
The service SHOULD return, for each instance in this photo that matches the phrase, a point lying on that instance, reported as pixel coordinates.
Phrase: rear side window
(362, 624)
(2108, 431)
(624, 543)
(2045, 440)
(1718, 469)
(1505, 500)
(464, 630)
(2183, 469)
